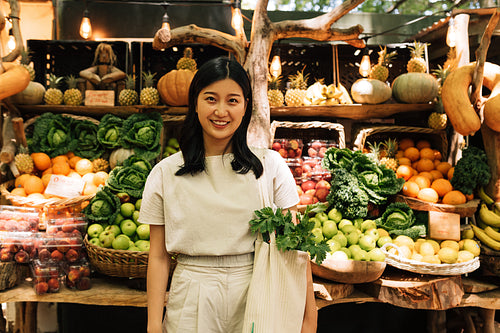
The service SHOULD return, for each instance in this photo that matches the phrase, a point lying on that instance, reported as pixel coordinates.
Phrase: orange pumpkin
(174, 87)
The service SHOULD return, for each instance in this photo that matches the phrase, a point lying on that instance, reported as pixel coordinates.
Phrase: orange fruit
(422, 182)
(74, 174)
(404, 171)
(33, 185)
(19, 182)
(70, 154)
(73, 160)
(436, 163)
(89, 189)
(442, 186)
(423, 144)
(424, 164)
(443, 167)
(84, 166)
(436, 174)
(100, 178)
(454, 198)
(88, 178)
(410, 189)
(426, 174)
(46, 179)
(427, 153)
(437, 155)
(428, 194)
(404, 161)
(61, 168)
(469, 197)
(19, 191)
(449, 174)
(412, 153)
(399, 154)
(60, 158)
(47, 171)
(41, 160)
(36, 196)
(406, 143)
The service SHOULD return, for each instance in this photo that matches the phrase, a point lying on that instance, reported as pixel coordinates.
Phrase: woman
(199, 202)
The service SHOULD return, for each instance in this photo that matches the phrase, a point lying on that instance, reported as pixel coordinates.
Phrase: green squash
(415, 88)
(370, 91)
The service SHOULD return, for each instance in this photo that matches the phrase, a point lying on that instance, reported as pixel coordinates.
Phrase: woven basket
(437, 138)
(308, 131)
(426, 268)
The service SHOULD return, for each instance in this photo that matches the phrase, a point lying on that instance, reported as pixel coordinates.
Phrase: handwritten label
(100, 97)
(444, 226)
(66, 187)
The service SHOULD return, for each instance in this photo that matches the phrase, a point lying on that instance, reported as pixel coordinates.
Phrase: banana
(492, 233)
(485, 239)
(485, 197)
(488, 216)
(481, 224)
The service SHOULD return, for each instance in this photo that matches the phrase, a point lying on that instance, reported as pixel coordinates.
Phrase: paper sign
(100, 97)
(444, 226)
(66, 187)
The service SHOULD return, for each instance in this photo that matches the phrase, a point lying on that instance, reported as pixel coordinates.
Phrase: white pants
(208, 294)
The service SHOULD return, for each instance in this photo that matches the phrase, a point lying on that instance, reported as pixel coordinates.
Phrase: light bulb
(237, 20)
(275, 68)
(165, 25)
(85, 27)
(451, 35)
(11, 44)
(365, 66)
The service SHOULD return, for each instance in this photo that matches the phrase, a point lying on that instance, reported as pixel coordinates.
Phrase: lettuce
(109, 131)
(51, 134)
(142, 131)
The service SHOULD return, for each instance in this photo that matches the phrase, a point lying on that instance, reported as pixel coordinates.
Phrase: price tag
(100, 97)
(444, 226)
(66, 187)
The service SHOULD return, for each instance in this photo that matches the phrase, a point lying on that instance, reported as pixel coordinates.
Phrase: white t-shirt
(208, 213)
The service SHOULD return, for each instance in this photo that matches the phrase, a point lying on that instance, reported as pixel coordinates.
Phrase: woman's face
(220, 107)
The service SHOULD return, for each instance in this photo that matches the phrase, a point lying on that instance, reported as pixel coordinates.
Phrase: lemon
(403, 240)
(451, 244)
(434, 244)
(431, 259)
(426, 249)
(448, 255)
(464, 256)
(472, 246)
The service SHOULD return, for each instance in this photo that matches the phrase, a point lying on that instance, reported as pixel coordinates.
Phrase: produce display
(77, 275)
(46, 277)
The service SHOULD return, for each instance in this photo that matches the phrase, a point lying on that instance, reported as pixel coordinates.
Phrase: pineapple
(23, 161)
(389, 160)
(128, 96)
(417, 63)
(451, 59)
(380, 71)
(274, 94)
(187, 61)
(438, 120)
(53, 96)
(374, 149)
(25, 62)
(72, 96)
(296, 95)
(149, 94)
(100, 164)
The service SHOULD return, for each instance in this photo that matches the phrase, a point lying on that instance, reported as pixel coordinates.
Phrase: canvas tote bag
(277, 292)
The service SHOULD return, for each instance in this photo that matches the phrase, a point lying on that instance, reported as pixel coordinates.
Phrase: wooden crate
(307, 131)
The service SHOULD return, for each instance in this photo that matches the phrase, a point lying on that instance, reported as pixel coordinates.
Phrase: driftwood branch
(16, 31)
(482, 50)
(194, 34)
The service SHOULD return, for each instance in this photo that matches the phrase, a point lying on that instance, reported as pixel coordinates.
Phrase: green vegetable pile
(288, 235)
(399, 219)
(130, 177)
(471, 171)
(51, 134)
(109, 131)
(104, 207)
(358, 180)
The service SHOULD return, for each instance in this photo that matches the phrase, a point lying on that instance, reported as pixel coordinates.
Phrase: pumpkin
(32, 95)
(370, 91)
(415, 88)
(119, 155)
(15, 79)
(174, 87)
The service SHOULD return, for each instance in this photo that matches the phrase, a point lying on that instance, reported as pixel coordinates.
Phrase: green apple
(344, 222)
(321, 216)
(357, 222)
(335, 215)
(142, 244)
(94, 230)
(134, 248)
(354, 248)
(119, 218)
(382, 232)
(360, 255)
(367, 242)
(127, 209)
(142, 231)
(376, 255)
(334, 245)
(348, 228)
(138, 204)
(128, 227)
(106, 238)
(329, 229)
(384, 239)
(317, 222)
(114, 229)
(135, 217)
(95, 241)
(317, 234)
(373, 232)
(352, 238)
(368, 224)
(347, 251)
(338, 255)
(120, 243)
(341, 238)
(130, 243)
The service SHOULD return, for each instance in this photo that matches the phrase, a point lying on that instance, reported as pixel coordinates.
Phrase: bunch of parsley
(290, 236)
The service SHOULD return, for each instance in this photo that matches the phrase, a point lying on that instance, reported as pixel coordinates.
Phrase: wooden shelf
(350, 111)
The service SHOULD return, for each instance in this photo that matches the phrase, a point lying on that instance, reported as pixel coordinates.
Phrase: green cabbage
(85, 133)
(109, 131)
(51, 134)
(104, 207)
(142, 131)
(131, 177)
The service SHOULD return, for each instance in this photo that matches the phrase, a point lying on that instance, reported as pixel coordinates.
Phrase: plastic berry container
(60, 247)
(18, 246)
(77, 275)
(317, 148)
(288, 148)
(46, 277)
(295, 165)
(70, 225)
(16, 218)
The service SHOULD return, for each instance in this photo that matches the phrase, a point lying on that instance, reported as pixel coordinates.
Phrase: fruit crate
(308, 131)
(172, 128)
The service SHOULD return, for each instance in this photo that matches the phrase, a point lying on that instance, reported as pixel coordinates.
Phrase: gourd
(414, 88)
(370, 91)
(32, 95)
(174, 87)
(492, 107)
(119, 155)
(15, 79)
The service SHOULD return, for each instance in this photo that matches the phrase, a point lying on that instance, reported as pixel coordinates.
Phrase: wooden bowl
(348, 271)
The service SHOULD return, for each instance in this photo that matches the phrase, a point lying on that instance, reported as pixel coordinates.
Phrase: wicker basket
(426, 268)
(437, 138)
(308, 131)
(118, 263)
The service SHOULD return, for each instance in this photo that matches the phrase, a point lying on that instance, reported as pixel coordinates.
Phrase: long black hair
(191, 140)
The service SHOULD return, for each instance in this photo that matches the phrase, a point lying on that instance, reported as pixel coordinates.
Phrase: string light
(85, 26)
(275, 67)
(165, 21)
(11, 42)
(451, 35)
(237, 17)
(365, 65)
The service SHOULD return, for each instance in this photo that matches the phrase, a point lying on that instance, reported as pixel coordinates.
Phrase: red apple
(53, 285)
(283, 153)
(317, 144)
(276, 146)
(312, 152)
(41, 288)
(308, 185)
(322, 151)
(299, 190)
(311, 192)
(322, 193)
(56, 256)
(306, 199)
(323, 184)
